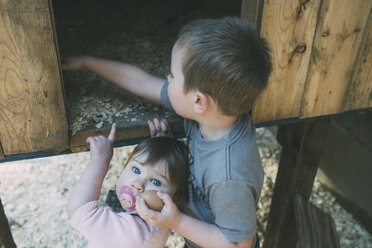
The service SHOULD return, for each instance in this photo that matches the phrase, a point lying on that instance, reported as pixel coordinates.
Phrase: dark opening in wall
(139, 32)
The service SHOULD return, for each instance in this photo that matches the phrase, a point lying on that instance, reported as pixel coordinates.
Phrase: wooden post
(6, 239)
(32, 107)
(315, 228)
(302, 147)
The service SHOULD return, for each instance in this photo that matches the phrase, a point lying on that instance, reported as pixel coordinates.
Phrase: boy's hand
(73, 63)
(159, 128)
(101, 148)
(169, 217)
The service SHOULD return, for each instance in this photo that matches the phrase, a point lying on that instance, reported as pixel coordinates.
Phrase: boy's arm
(201, 233)
(88, 187)
(205, 234)
(126, 76)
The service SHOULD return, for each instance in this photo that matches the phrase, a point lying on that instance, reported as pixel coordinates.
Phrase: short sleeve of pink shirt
(106, 228)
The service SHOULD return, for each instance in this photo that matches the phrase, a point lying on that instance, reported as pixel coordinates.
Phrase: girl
(158, 163)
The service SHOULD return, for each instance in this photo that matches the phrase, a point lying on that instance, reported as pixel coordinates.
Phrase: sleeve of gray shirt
(164, 96)
(229, 202)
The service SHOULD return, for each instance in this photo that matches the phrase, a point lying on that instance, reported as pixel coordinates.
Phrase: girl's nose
(138, 185)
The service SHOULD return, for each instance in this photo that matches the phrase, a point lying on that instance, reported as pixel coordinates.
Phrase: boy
(218, 68)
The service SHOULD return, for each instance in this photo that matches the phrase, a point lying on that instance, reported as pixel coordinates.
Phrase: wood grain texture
(359, 95)
(32, 109)
(24, 5)
(337, 40)
(252, 12)
(315, 228)
(289, 27)
(123, 133)
(299, 161)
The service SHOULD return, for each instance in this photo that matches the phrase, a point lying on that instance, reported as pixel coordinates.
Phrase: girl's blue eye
(156, 182)
(136, 170)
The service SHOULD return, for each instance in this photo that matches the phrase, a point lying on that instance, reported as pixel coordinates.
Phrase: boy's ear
(201, 102)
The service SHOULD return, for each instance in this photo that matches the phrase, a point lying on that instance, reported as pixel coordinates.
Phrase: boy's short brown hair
(226, 59)
(174, 153)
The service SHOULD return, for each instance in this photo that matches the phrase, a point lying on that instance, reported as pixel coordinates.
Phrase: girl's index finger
(112, 134)
(89, 140)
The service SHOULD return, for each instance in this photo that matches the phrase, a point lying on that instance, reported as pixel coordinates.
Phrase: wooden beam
(32, 112)
(79, 139)
(289, 27)
(337, 40)
(125, 131)
(299, 161)
(6, 239)
(315, 228)
(360, 90)
(252, 12)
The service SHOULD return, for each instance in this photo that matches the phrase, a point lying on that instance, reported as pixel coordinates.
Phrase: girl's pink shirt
(105, 228)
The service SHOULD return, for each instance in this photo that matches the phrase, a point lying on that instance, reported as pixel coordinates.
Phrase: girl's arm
(190, 228)
(126, 76)
(88, 187)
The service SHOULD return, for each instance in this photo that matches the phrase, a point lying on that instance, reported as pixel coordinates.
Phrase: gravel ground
(35, 194)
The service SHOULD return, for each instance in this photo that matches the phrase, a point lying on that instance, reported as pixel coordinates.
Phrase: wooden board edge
(361, 71)
(55, 36)
(78, 140)
(252, 11)
(2, 157)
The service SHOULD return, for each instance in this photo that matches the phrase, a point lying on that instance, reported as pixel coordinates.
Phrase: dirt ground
(35, 195)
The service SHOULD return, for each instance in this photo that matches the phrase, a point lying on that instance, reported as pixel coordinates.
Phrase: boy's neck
(216, 127)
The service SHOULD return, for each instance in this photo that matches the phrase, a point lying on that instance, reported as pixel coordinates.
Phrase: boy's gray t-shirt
(226, 177)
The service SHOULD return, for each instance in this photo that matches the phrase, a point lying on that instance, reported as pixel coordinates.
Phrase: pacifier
(127, 198)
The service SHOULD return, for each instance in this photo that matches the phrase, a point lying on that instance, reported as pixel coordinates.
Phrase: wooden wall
(321, 57)
(32, 112)
(320, 48)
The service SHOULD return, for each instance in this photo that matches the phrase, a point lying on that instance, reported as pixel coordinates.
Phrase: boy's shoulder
(234, 157)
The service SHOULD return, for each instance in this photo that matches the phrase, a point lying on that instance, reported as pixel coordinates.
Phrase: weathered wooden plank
(32, 111)
(299, 161)
(78, 140)
(252, 12)
(337, 40)
(289, 27)
(123, 133)
(315, 228)
(6, 239)
(360, 91)
(53, 23)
